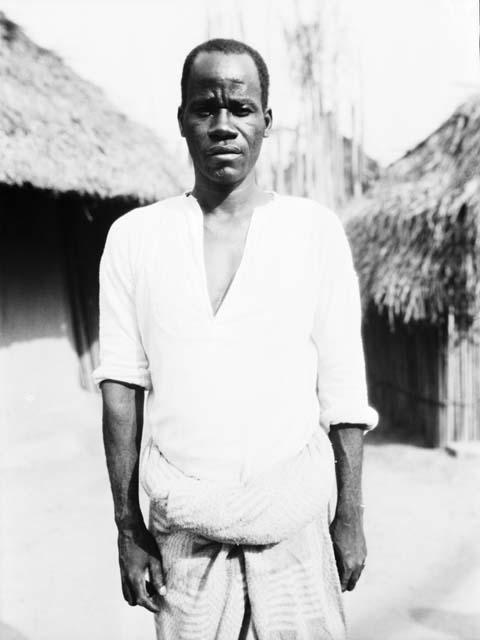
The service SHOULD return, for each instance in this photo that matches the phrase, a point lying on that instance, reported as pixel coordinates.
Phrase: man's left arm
(347, 527)
(342, 393)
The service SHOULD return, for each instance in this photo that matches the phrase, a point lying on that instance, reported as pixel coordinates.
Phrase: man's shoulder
(145, 216)
(312, 213)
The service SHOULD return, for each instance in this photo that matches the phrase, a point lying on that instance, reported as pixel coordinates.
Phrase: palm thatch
(59, 132)
(415, 236)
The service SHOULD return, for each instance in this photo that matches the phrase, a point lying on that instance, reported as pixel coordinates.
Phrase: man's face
(222, 119)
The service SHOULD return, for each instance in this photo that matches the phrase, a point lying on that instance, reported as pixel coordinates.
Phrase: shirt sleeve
(122, 356)
(341, 381)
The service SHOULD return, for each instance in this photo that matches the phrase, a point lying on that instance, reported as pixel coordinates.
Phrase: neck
(227, 198)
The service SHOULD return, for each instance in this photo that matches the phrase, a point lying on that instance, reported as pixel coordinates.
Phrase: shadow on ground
(381, 436)
(9, 633)
(462, 625)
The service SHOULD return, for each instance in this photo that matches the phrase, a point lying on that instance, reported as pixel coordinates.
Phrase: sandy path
(422, 580)
(59, 579)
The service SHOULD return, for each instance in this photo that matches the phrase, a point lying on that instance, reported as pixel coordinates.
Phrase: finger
(338, 558)
(141, 596)
(157, 576)
(345, 579)
(148, 603)
(354, 578)
(343, 572)
(127, 594)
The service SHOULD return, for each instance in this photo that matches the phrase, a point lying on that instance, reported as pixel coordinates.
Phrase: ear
(268, 116)
(180, 120)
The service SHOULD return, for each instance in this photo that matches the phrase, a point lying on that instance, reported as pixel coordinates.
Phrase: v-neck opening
(199, 247)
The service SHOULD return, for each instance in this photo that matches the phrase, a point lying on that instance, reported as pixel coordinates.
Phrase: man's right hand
(141, 569)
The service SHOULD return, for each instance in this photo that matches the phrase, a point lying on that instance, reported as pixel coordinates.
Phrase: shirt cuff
(364, 415)
(130, 375)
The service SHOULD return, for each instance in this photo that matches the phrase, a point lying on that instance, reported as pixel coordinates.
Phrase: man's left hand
(349, 546)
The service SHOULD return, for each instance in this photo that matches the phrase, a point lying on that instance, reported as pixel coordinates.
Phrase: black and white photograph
(239, 320)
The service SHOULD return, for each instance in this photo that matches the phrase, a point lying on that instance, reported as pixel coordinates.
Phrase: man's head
(227, 47)
(224, 115)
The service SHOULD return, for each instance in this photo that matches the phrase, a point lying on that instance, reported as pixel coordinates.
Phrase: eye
(242, 110)
(203, 111)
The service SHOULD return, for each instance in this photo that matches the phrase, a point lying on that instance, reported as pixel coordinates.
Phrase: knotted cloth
(252, 560)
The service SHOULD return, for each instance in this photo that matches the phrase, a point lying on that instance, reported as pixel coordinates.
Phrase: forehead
(233, 72)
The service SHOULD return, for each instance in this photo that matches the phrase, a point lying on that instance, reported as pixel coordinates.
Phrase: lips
(223, 150)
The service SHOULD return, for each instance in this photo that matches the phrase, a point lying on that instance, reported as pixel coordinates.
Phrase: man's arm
(139, 556)
(342, 390)
(347, 527)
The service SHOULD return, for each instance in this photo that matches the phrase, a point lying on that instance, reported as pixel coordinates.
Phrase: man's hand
(139, 556)
(141, 569)
(349, 546)
(346, 529)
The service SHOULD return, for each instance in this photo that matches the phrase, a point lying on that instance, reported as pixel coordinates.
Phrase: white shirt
(232, 394)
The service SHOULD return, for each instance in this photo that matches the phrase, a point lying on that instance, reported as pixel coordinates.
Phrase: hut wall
(462, 385)
(38, 360)
(84, 224)
(50, 248)
(404, 370)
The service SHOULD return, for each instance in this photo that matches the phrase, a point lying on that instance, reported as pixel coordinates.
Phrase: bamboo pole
(316, 165)
(442, 393)
(451, 374)
(475, 383)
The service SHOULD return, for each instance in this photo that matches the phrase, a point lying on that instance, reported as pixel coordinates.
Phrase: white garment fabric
(233, 393)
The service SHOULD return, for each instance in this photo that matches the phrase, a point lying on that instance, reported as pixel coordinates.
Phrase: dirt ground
(59, 577)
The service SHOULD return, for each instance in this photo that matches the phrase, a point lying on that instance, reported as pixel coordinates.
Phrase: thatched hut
(69, 165)
(416, 245)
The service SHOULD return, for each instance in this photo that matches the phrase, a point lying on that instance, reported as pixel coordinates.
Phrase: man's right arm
(139, 556)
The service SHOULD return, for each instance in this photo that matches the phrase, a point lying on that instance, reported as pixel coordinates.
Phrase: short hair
(227, 46)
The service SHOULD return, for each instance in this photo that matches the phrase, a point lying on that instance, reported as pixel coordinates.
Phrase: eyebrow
(245, 100)
(208, 80)
(207, 100)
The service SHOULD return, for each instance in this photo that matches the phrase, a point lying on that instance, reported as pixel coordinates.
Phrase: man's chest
(238, 279)
(223, 251)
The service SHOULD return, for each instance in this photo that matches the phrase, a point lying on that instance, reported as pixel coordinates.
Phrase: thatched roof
(415, 236)
(59, 132)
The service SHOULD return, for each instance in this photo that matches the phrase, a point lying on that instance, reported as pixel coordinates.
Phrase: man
(238, 311)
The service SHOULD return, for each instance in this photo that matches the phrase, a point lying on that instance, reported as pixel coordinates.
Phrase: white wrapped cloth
(253, 560)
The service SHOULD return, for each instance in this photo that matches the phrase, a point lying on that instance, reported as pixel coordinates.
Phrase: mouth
(223, 150)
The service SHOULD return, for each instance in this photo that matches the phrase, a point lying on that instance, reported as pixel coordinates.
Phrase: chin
(226, 175)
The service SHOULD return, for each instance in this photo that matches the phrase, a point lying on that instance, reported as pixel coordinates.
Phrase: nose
(221, 127)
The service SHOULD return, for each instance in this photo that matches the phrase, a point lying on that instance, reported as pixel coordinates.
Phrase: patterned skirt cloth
(252, 561)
